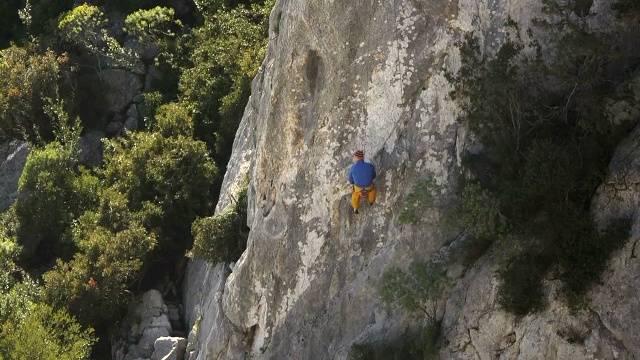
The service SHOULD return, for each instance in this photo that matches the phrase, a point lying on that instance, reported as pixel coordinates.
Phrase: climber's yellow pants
(355, 195)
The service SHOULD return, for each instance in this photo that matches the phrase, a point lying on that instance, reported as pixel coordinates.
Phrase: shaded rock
(153, 79)
(131, 124)
(169, 348)
(91, 150)
(209, 329)
(145, 323)
(121, 86)
(13, 157)
(114, 128)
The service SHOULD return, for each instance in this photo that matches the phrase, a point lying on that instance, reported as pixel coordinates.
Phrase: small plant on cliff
(222, 237)
(417, 290)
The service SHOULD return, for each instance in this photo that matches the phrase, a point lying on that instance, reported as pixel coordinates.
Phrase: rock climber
(361, 175)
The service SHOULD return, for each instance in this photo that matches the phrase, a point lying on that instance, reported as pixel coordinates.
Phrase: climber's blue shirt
(362, 174)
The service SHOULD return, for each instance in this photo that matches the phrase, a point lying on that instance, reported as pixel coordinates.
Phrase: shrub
(521, 290)
(227, 52)
(28, 79)
(94, 284)
(86, 27)
(547, 145)
(421, 199)
(173, 120)
(174, 173)
(417, 290)
(54, 194)
(222, 237)
(153, 25)
(46, 334)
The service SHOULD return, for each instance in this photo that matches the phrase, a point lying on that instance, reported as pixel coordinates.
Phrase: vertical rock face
(341, 76)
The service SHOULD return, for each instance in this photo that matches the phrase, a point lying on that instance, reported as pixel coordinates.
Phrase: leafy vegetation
(548, 144)
(112, 230)
(222, 237)
(226, 53)
(417, 290)
(28, 79)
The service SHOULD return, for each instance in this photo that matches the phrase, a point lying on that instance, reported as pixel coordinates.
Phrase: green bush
(418, 290)
(222, 237)
(153, 25)
(28, 79)
(547, 145)
(54, 194)
(421, 199)
(45, 334)
(94, 284)
(175, 173)
(173, 120)
(521, 290)
(227, 52)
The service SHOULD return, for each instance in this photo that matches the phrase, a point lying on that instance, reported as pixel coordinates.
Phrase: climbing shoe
(371, 203)
(355, 211)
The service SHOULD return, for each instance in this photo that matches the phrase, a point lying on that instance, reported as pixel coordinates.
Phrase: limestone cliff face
(361, 74)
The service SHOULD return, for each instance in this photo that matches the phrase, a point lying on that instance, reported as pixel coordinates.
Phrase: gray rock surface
(341, 76)
(121, 87)
(169, 348)
(146, 322)
(91, 148)
(13, 157)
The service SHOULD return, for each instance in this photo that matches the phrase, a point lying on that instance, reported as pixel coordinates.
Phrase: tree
(227, 52)
(86, 27)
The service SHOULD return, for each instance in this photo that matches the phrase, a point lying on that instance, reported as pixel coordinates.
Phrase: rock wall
(365, 74)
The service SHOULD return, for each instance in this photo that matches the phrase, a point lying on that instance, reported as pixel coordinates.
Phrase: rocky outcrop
(347, 75)
(13, 157)
(122, 86)
(146, 332)
(91, 149)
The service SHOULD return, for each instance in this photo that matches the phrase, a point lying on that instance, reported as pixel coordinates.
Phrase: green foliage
(417, 290)
(28, 79)
(227, 52)
(175, 173)
(548, 142)
(113, 259)
(222, 237)
(152, 26)
(479, 212)
(173, 120)
(419, 201)
(86, 27)
(46, 334)
(586, 258)
(54, 194)
(152, 101)
(522, 277)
